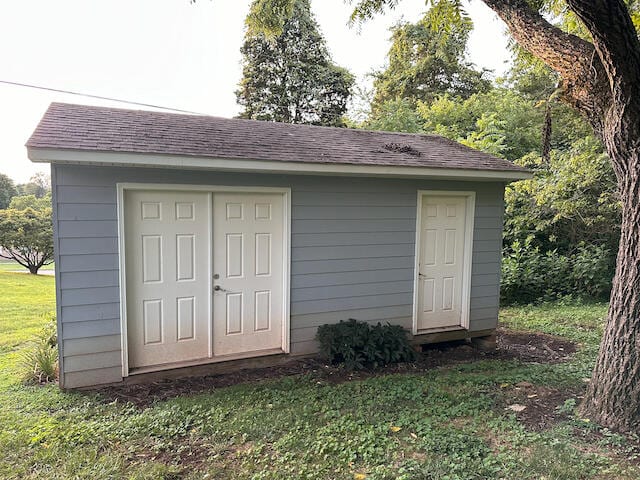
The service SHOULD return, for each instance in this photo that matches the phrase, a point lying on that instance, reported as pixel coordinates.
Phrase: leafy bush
(359, 345)
(529, 275)
(39, 362)
(593, 269)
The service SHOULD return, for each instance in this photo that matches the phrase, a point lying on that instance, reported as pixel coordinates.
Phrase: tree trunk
(602, 81)
(33, 269)
(613, 395)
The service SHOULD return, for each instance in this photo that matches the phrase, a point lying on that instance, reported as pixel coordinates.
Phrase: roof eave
(148, 160)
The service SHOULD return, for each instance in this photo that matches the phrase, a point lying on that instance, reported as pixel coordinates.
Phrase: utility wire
(69, 92)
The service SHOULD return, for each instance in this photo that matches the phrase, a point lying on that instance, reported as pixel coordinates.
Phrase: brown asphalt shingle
(101, 129)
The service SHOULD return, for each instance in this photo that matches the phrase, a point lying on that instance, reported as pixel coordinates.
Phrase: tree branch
(584, 80)
(614, 37)
(16, 258)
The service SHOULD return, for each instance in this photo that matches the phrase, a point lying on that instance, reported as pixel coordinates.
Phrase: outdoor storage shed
(183, 240)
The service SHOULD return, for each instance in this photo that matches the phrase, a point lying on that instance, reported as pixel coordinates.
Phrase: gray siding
(352, 255)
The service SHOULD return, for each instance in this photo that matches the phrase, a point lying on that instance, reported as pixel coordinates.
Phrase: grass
(448, 423)
(11, 266)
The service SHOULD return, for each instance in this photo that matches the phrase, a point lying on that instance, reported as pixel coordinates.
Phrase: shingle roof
(101, 129)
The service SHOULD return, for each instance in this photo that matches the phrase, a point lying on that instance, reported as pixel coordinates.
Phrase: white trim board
(77, 157)
(286, 246)
(468, 257)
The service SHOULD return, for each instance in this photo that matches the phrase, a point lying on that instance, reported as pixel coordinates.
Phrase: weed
(39, 361)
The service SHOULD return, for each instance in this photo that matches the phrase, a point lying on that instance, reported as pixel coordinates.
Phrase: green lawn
(11, 266)
(448, 423)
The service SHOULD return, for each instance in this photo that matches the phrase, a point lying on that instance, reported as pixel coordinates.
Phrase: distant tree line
(39, 185)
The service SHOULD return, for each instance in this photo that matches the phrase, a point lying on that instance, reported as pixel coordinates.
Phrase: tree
(500, 122)
(39, 185)
(7, 190)
(397, 115)
(22, 202)
(571, 199)
(425, 61)
(26, 236)
(600, 77)
(290, 78)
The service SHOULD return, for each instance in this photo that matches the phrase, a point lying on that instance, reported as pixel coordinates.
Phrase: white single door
(248, 272)
(441, 261)
(167, 276)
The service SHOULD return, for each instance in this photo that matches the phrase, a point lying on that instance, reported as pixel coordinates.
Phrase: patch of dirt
(535, 347)
(527, 347)
(540, 404)
(541, 412)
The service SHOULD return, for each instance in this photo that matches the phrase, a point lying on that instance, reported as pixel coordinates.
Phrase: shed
(184, 240)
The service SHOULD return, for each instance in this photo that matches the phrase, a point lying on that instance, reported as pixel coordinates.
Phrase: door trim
(286, 254)
(470, 197)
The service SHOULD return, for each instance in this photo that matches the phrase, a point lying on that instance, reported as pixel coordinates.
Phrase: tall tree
(7, 190)
(291, 78)
(426, 61)
(600, 77)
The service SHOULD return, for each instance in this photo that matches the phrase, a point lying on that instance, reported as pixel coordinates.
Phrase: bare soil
(526, 347)
(541, 404)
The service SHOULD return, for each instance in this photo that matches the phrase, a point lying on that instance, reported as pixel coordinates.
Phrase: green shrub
(593, 269)
(39, 361)
(359, 345)
(529, 275)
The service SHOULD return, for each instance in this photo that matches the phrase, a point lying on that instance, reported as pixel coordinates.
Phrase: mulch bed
(527, 347)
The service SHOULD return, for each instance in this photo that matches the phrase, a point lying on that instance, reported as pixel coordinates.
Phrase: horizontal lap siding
(487, 254)
(88, 279)
(352, 255)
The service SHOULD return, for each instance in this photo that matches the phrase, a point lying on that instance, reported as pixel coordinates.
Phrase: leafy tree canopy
(290, 77)
(397, 115)
(426, 60)
(22, 202)
(502, 122)
(572, 199)
(26, 236)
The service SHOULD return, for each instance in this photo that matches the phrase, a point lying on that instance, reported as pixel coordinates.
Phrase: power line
(69, 92)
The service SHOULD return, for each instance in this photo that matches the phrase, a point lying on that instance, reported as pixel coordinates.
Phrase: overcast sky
(169, 53)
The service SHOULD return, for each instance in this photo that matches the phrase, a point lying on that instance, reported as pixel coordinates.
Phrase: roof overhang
(149, 160)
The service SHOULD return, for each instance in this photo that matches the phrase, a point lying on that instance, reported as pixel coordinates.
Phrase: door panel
(441, 261)
(167, 272)
(248, 260)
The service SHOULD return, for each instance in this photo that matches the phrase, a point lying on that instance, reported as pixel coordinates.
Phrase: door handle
(218, 288)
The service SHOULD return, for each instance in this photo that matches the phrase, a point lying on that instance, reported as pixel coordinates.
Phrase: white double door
(204, 275)
(443, 262)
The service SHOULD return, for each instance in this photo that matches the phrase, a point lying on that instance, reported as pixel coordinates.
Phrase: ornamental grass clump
(39, 361)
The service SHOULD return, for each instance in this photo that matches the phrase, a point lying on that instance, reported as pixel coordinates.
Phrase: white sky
(169, 53)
